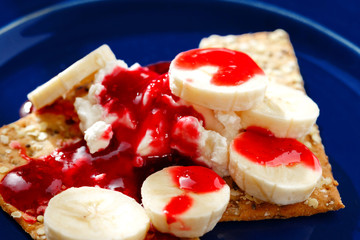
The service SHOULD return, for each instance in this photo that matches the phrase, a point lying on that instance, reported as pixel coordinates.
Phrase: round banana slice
(77, 73)
(94, 213)
(216, 78)
(185, 201)
(284, 111)
(277, 170)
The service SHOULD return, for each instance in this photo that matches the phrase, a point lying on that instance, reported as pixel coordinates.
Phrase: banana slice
(185, 201)
(277, 170)
(94, 213)
(219, 79)
(284, 111)
(70, 77)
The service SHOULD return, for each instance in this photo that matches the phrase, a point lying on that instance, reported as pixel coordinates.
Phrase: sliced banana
(94, 213)
(280, 171)
(196, 85)
(284, 111)
(176, 204)
(70, 77)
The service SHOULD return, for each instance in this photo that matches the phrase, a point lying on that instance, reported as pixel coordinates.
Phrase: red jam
(177, 205)
(185, 136)
(141, 96)
(160, 67)
(261, 146)
(194, 179)
(234, 68)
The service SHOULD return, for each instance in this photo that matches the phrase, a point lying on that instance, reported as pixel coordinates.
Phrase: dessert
(273, 52)
(95, 213)
(193, 209)
(116, 128)
(211, 78)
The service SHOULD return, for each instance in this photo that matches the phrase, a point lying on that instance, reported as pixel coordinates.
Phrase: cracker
(274, 53)
(41, 134)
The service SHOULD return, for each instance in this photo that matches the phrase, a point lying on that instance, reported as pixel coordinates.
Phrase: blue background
(330, 67)
(340, 16)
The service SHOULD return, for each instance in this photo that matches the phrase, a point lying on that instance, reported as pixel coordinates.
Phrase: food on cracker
(95, 213)
(218, 79)
(185, 201)
(114, 125)
(273, 52)
(74, 75)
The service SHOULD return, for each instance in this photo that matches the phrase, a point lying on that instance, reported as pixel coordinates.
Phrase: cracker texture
(274, 53)
(41, 134)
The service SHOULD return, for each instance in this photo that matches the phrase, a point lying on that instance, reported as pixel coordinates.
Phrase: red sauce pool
(194, 179)
(234, 69)
(142, 95)
(261, 146)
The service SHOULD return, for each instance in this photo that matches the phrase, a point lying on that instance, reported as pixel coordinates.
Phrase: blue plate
(37, 47)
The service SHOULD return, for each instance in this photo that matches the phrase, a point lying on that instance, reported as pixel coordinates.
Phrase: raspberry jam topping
(141, 97)
(261, 146)
(185, 136)
(177, 205)
(194, 179)
(234, 68)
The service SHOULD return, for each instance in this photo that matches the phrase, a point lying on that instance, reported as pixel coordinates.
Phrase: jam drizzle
(234, 68)
(141, 97)
(191, 179)
(261, 146)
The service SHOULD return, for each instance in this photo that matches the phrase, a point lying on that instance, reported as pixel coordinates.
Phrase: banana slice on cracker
(70, 77)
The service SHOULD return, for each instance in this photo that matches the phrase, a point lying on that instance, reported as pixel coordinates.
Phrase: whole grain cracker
(41, 134)
(274, 53)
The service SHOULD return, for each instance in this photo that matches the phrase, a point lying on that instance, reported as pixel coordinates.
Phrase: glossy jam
(194, 179)
(61, 106)
(160, 67)
(177, 205)
(142, 97)
(185, 136)
(262, 147)
(234, 68)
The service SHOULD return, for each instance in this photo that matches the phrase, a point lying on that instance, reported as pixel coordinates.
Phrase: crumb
(40, 218)
(324, 181)
(234, 193)
(312, 202)
(16, 214)
(4, 139)
(42, 136)
(308, 144)
(4, 169)
(4, 131)
(40, 231)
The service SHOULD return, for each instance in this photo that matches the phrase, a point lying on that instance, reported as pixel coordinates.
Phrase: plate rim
(254, 4)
